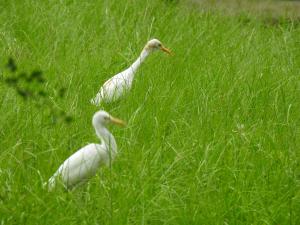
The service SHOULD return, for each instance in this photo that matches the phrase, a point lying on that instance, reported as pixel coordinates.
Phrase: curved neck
(108, 140)
(139, 60)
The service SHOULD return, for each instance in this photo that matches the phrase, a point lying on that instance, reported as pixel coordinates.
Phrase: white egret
(84, 163)
(119, 84)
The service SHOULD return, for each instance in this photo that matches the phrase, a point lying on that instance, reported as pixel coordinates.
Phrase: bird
(84, 163)
(120, 84)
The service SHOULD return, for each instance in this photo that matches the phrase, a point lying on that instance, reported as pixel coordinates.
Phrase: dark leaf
(36, 74)
(11, 65)
(24, 93)
(62, 92)
(11, 81)
(42, 93)
(68, 119)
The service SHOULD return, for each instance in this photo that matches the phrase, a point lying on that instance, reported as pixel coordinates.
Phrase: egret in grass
(121, 83)
(84, 163)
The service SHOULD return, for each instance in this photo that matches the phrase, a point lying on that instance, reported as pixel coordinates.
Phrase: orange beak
(168, 51)
(117, 121)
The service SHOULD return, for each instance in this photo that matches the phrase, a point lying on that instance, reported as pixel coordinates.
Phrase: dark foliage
(31, 88)
(11, 65)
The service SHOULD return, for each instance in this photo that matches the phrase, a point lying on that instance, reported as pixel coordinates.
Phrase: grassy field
(213, 131)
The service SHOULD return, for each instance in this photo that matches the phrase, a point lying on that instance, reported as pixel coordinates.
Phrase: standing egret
(84, 163)
(119, 84)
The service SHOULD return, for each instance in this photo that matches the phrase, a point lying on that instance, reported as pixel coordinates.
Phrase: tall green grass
(213, 131)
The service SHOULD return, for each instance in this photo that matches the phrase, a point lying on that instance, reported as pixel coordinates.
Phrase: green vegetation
(213, 131)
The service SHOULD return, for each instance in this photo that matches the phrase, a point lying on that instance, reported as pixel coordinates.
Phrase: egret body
(118, 85)
(84, 163)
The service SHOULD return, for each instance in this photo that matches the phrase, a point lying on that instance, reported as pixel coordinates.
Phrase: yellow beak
(117, 121)
(165, 50)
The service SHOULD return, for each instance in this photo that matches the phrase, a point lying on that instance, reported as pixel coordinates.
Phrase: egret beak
(117, 121)
(165, 50)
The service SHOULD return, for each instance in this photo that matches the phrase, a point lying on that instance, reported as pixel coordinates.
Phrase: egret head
(155, 44)
(102, 118)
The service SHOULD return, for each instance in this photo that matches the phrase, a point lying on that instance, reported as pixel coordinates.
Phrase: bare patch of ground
(268, 9)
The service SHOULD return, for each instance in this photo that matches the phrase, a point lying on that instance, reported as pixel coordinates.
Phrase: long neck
(108, 140)
(139, 60)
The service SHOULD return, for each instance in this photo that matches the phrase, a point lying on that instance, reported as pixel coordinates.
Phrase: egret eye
(159, 44)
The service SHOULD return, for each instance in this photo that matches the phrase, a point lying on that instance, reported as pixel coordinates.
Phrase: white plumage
(119, 84)
(84, 163)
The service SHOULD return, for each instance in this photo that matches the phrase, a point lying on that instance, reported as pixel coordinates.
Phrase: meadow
(212, 134)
